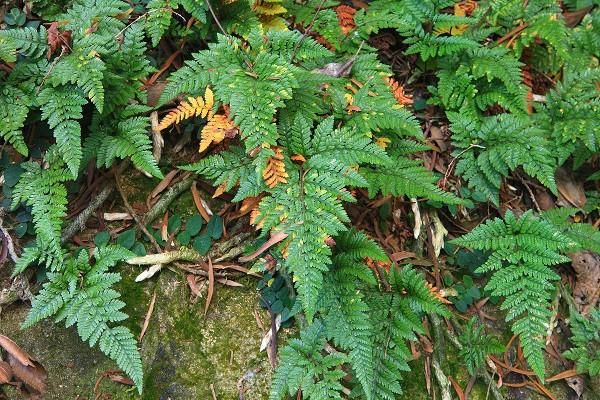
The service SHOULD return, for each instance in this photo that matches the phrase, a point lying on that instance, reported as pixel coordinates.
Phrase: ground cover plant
(409, 172)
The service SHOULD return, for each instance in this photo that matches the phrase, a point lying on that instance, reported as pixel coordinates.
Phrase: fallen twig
(131, 211)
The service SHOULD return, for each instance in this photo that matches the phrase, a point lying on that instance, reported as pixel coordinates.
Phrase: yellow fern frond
(193, 107)
(217, 128)
(274, 172)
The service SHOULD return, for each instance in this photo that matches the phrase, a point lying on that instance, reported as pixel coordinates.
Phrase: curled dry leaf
(33, 376)
(15, 351)
(570, 191)
(148, 273)
(6, 372)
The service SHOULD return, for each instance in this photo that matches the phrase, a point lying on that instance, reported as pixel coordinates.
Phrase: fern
(476, 345)
(29, 41)
(62, 107)
(522, 252)
(586, 340)
(303, 366)
(490, 149)
(81, 294)
(44, 191)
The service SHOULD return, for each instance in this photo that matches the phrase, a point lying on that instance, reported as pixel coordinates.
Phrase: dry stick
(212, 12)
(167, 198)
(78, 224)
(134, 215)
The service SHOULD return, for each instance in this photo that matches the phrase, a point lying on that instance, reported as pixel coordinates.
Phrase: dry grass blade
(148, 316)
(211, 285)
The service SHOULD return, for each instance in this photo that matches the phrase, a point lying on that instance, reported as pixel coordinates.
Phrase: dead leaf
(17, 352)
(570, 191)
(274, 239)
(164, 227)
(563, 375)
(200, 204)
(164, 183)
(148, 273)
(6, 372)
(439, 231)
(33, 376)
(120, 216)
(414, 205)
(457, 388)
(587, 269)
(228, 282)
(336, 70)
(267, 337)
(193, 284)
(576, 383)
(401, 255)
(211, 285)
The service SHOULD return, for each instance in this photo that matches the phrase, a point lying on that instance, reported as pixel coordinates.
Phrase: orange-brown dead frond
(436, 293)
(322, 41)
(193, 107)
(254, 218)
(274, 172)
(345, 15)
(467, 6)
(398, 91)
(218, 128)
(375, 265)
(528, 81)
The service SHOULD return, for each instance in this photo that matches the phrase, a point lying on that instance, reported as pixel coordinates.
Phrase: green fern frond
(81, 294)
(586, 340)
(44, 191)
(523, 249)
(29, 41)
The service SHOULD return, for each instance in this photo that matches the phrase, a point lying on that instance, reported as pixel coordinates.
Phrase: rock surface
(183, 352)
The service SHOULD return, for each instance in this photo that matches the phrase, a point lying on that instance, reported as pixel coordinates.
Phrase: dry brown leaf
(17, 352)
(162, 185)
(199, 203)
(191, 280)
(228, 282)
(460, 393)
(34, 376)
(6, 372)
(273, 240)
(577, 384)
(570, 191)
(164, 227)
(587, 286)
(563, 375)
(211, 285)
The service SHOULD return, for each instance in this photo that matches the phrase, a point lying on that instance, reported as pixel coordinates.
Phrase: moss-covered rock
(183, 351)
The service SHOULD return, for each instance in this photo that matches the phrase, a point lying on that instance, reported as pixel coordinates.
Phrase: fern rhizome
(300, 117)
